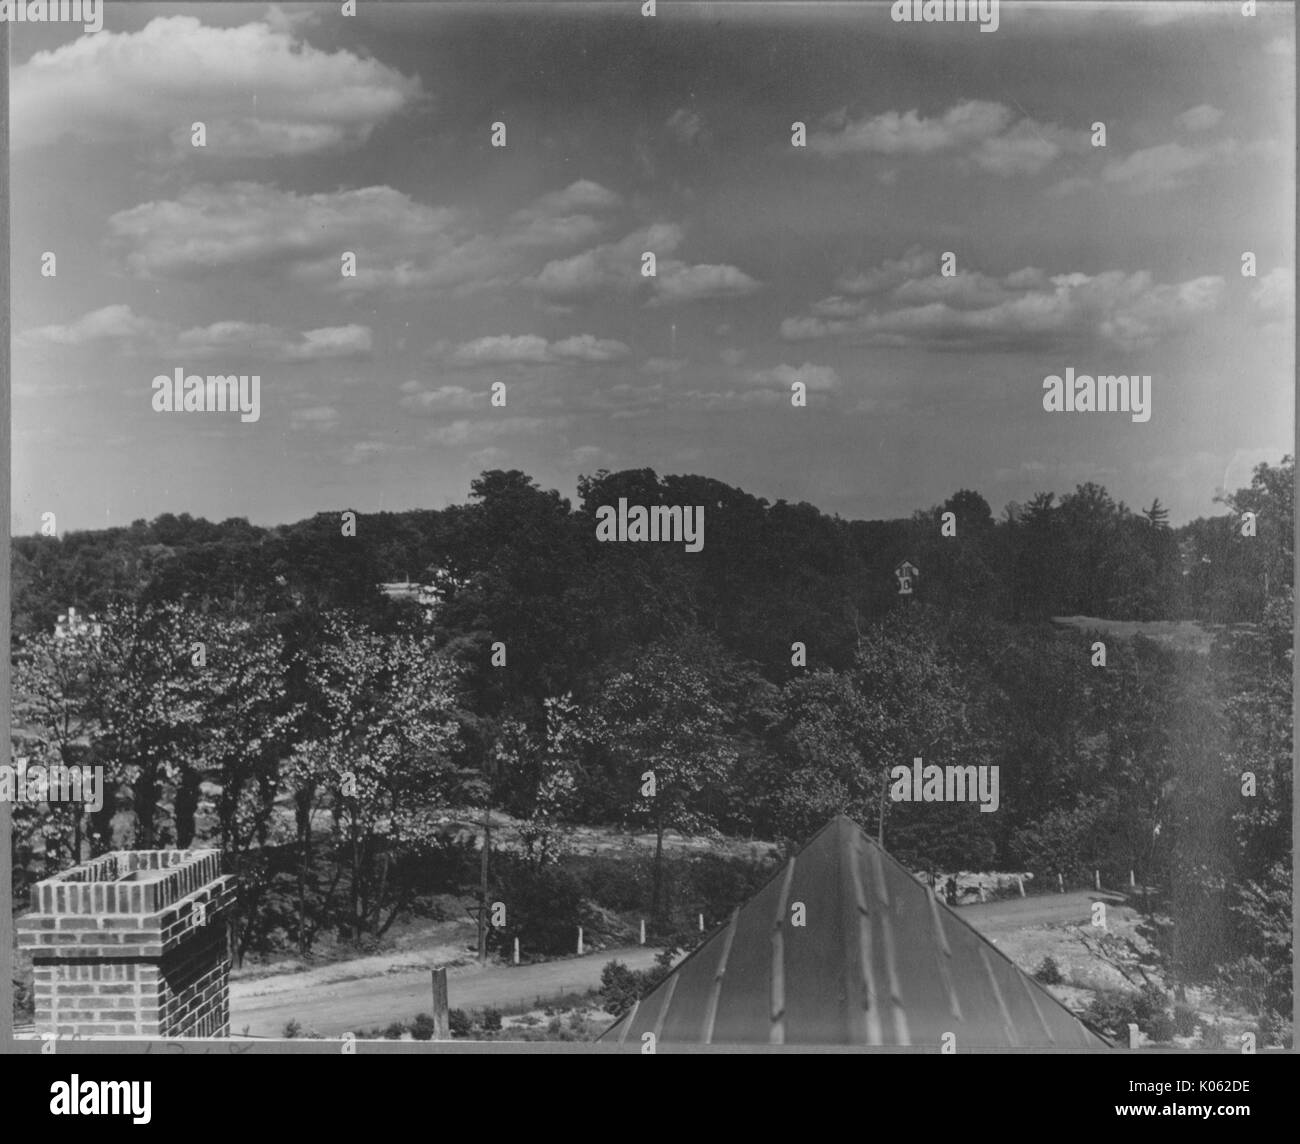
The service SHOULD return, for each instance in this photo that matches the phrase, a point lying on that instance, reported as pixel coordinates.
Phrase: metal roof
(879, 960)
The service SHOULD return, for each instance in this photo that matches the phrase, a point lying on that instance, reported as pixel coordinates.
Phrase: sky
(522, 264)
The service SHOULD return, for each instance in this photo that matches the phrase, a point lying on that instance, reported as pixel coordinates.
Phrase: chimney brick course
(133, 943)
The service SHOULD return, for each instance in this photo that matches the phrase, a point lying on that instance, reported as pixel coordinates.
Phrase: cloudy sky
(522, 264)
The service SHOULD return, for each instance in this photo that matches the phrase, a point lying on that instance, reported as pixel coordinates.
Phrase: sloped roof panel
(878, 960)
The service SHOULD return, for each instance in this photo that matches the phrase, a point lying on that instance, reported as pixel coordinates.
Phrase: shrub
(1113, 1010)
(1211, 1036)
(394, 1031)
(1049, 973)
(292, 1029)
(1185, 1019)
(545, 909)
(619, 884)
(1273, 1029)
(620, 987)
(491, 1021)
(458, 1023)
(1153, 1015)
(423, 1027)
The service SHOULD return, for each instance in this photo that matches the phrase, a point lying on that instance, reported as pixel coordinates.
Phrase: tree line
(252, 688)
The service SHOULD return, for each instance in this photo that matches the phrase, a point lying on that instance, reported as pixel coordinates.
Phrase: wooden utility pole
(483, 886)
(441, 1021)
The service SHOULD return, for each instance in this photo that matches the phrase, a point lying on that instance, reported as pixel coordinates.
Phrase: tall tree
(663, 726)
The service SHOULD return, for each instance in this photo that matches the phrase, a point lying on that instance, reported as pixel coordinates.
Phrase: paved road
(993, 918)
(266, 1005)
(345, 1006)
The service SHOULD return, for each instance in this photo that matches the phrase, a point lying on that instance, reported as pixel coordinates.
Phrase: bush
(1185, 1019)
(423, 1027)
(1049, 973)
(1113, 1010)
(619, 884)
(1153, 1015)
(620, 988)
(292, 1029)
(491, 1021)
(394, 1031)
(544, 908)
(1211, 1036)
(719, 884)
(458, 1023)
(1273, 1030)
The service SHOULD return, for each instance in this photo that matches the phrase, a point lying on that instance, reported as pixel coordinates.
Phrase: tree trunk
(355, 887)
(656, 899)
(145, 791)
(483, 887)
(186, 808)
(302, 813)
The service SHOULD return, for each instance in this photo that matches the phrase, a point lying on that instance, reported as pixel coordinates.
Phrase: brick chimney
(134, 943)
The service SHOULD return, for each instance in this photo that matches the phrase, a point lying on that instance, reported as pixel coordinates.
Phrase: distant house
(906, 573)
(429, 594)
(71, 624)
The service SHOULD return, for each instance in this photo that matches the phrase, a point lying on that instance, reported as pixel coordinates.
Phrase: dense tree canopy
(765, 682)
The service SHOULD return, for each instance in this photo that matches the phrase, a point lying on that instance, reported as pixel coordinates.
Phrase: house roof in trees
(879, 960)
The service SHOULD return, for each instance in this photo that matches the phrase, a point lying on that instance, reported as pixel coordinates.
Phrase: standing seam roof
(878, 961)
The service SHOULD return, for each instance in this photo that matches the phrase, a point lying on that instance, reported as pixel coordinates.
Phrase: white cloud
(1202, 117)
(398, 243)
(1168, 166)
(676, 283)
(817, 378)
(616, 267)
(1275, 293)
(116, 323)
(445, 397)
(987, 133)
(609, 266)
(359, 452)
(329, 343)
(119, 86)
(532, 349)
(1022, 309)
(564, 218)
(590, 457)
(658, 366)
(887, 275)
(139, 335)
(464, 432)
(320, 417)
(1157, 168)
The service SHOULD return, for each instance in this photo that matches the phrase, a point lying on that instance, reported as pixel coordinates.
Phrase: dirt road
(332, 1006)
(994, 918)
(265, 1006)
